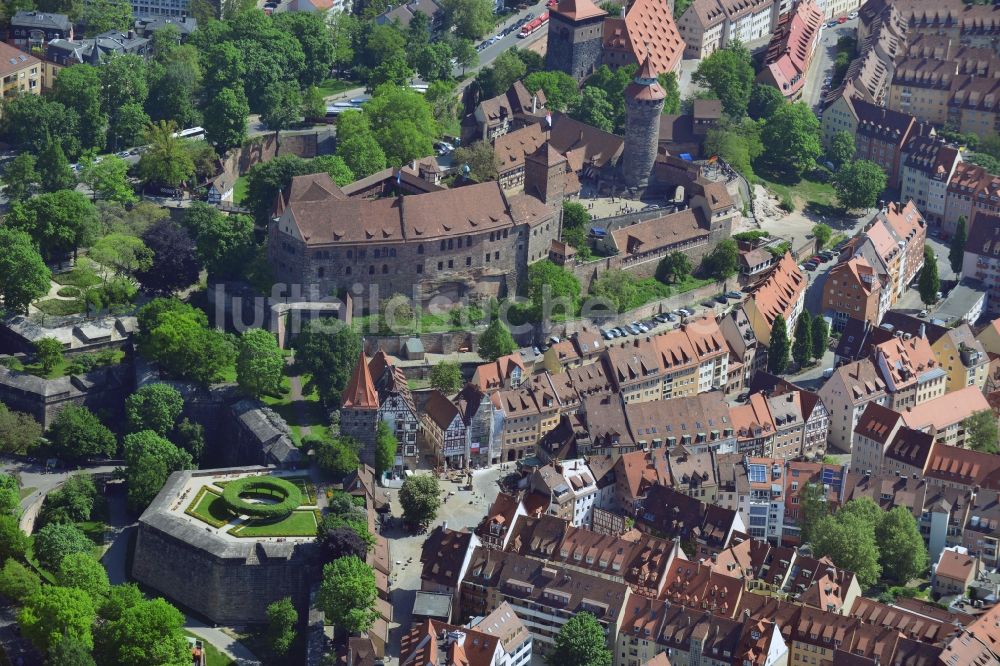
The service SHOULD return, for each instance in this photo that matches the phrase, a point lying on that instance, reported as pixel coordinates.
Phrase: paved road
(822, 64)
(33, 475)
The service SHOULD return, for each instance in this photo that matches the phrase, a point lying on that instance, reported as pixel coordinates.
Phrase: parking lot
(669, 320)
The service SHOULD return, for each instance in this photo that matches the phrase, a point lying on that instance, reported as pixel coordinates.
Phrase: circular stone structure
(287, 494)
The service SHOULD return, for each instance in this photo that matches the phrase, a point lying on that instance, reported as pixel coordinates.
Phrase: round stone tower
(643, 104)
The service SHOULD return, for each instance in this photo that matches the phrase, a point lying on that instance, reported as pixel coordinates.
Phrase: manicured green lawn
(212, 655)
(210, 508)
(58, 307)
(307, 488)
(297, 523)
(333, 86)
(82, 276)
(240, 190)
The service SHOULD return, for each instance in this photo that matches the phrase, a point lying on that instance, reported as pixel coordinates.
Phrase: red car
(818, 259)
(842, 19)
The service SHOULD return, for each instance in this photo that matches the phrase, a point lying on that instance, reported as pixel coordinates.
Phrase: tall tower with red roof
(359, 410)
(576, 38)
(644, 99)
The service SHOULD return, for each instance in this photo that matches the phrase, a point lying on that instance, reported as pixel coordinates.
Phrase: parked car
(734, 294)
(721, 298)
(708, 304)
(742, 397)
(606, 334)
(852, 15)
(842, 19)
(671, 317)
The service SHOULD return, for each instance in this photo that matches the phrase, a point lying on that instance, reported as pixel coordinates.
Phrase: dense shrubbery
(288, 495)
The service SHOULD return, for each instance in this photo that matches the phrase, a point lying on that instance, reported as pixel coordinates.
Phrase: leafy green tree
(175, 259)
(764, 101)
(226, 119)
(59, 222)
(149, 460)
(281, 620)
(841, 149)
(18, 582)
(154, 407)
(20, 177)
(54, 170)
(13, 542)
(822, 232)
(49, 353)
(57, 540)
(403, 123)
(672, 102)
(79, 88)
(471, 18)
(433, 61)
(130, 126)
(956, 253)
(23, 275)
(850, 542)
(722, 262)
(343, 514)
(902, 552)
(981, 432)
(728, 73)
(580, 641)
(150, 631)
(18, 431)
(560, 88)
(674, 267)
(859, 183)
(550, 287)
(347, 594)
(386, 445)
(333, 165)
(339, 456)
(820, 336)
(593, 108)
(394, 70)
(507, 68)
(77, 434)
(739, 144)
(30, 122)
(329, 356)
(420, 497)
(310, 31)
(189, 436)
(777, 352)
(480, 159)
(70, 652)
(802, 347)
(225, 242)
(177, 336)
(123, 82)
(313, 104)
(56, 613)
(446, 377)
(465, 54)
(496, 341)
(280, 107)
(108, 179)
(791, 135)
(103, 15)
(929, 283)
(174, 76)
(259, 364)
(266, 180)
(166, 160)
(83, 571)
(617, 287)
(357, 144)
(10, 499)
(72, 503)
(126, 255)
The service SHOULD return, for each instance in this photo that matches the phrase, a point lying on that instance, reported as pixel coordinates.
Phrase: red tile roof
(360, 390)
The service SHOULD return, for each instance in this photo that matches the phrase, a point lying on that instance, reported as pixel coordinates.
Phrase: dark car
(721, 298)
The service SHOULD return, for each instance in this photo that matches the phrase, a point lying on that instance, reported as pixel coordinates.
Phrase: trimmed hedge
(287, 494)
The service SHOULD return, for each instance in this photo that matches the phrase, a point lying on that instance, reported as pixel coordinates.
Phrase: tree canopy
(779, 347)
(791, 135)
(329, 356)
(956, 252)
(77, 434)
(23, 274)
(929, 284)
(981, 431)
(347, 594)
(496, 341)
(420, 497)
(177, 336)
(728, 73)
(55, 613)
(154, 407)
(581, 641)
(859, 184)
(259, 363)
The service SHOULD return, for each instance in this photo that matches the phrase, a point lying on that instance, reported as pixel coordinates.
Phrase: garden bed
(58, 307)
(80, 277)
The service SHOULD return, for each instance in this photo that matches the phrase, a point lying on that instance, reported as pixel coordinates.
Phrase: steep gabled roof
(360, 392)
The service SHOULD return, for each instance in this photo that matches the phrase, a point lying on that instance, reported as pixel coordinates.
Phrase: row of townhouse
(876, 266)
(747, 600)
(709, 25)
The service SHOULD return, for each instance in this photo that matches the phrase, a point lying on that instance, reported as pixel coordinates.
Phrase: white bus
(191, 133)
